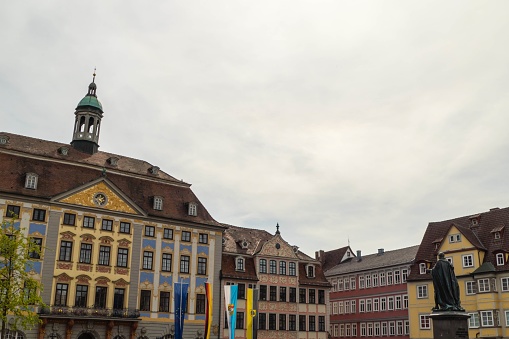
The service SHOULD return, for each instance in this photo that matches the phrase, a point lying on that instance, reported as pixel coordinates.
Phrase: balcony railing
(94, 312)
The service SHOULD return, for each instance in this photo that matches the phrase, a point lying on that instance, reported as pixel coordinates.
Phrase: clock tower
(88, 115)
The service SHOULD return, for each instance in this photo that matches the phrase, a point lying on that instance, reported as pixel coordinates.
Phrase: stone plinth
(450, 325)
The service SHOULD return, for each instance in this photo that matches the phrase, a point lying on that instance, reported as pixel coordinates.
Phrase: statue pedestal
(450, 325)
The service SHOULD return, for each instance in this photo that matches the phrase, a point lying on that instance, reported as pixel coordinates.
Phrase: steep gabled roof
(332, 258)
(372, 261)
(479, 234)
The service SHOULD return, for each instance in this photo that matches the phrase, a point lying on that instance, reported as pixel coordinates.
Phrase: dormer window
(348, 254)
(223, 241)
(239, 264)
(244, 244)
(500, 259)
(113, 161)
(310, 271)
(63, 150)
(497, 235)
(192, 209)
(422, 268)
(31, 181)
(158, 203)
(4, 139)
(153, 170)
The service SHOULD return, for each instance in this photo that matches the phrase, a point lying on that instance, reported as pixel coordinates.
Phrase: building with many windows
(478, 248)
(369, 293)
(115, 233)
(292, 287)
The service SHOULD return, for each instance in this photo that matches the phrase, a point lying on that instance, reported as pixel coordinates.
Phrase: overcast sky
(339, 120)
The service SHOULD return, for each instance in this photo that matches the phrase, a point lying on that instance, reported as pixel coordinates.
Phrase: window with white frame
(506, 318)
(422, 268)
(404, 275)
(239, 264)
(390, 303)
(397, 277)
(375, 279)
(346, 283)
(382, 278)
(505, 284)
(468, 260)
(158, 203)
(500, 259)
(341, 330)
(422, 291)
(455, 238)
(353, 305)
(368, 280)
(192, 209)
(370, 329)
(311, 271)
(335, 330)
(383, 303)
(470, 287)
(352, 283)
(361, 281)
(487, 319)
(335, 307)
(369, 305)
(483, 285)
(405, 301)
(389, 278)
(31, 181)
(362, 306)
(384, 329)
(392, 328)
(497, 235)
(398, 302)
(340, 308)
(376, 304)
(424, 322)
(363, 329)
(347, 306)
(340, 284)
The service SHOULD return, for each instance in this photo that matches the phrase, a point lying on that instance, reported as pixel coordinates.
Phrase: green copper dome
(92, 101)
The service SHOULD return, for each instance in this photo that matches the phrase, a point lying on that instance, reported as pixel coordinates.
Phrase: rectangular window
(272, 267)
(321, 323)
(200, 304)
(312, 323)
(35, 253)
(321, 297)
(168, 233)
(118, 299)
(100, 297)
(107, 225)
(122, 257)
(405, 301)
(164, 302)
(39, 215)
(302, 295)
(353, 304)
(202, 266)
(302, 323)
(262, 321)
(69, 219)
(263, 292)
(369, 304)
(398, 302)
(282, 322)
(404, 274)
(186, 236)
(239, 264)
(384, 329)
(375, 279)
(166, 263)
(424, 322)
(468, 260)
(282, 293)
(352, 283)
(292, 270)
(272, 321)
(293, 295)
(470, 287)
(361, 281)
(240, 321)
(390, 303)
(203, 238)
(454, 238)
(422, 291)
(382, 279)
(500, 259)
(104, 255)
(263, 265)
(368, 281)
(392, 328)
(148, 259)
(61, 295)
(505, 284)
(383, 304)
(241, 291)
(282, 267)
(273, 292)
(292, 322)
(158, 203)
(145, 300)
(184, 264)
(125, 227)
(473, 321)
(487, 319)
(484, 285)
(86, 253)
(376, 305)
(81, 296)
(389, 278)
(311, 296)
(65, 250)
(362, 306)
(88, 222)
(150, 231)
(12, 211)
(397, 277)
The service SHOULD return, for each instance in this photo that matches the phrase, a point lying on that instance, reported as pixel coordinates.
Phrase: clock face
(100, 199)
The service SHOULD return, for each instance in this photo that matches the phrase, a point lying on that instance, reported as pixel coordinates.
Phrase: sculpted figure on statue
(447, 292)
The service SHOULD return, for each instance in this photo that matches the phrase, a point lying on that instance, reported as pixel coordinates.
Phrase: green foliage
(19, 292)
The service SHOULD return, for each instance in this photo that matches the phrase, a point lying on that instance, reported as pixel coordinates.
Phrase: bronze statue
(447, 291)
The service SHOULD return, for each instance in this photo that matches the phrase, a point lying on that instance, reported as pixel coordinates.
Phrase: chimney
(359, 257)
(380, 251)
(319, 255)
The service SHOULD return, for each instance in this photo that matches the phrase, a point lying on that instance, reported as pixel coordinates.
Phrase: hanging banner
(180, 301)
(252, 313)
(208, 310)
(230, 299)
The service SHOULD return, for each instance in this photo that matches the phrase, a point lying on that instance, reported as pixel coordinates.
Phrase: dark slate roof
(330, 259)
(59, 174)
(479, 235)
(228, 268)
(373, 261)
(318, 280)
(235, 235)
